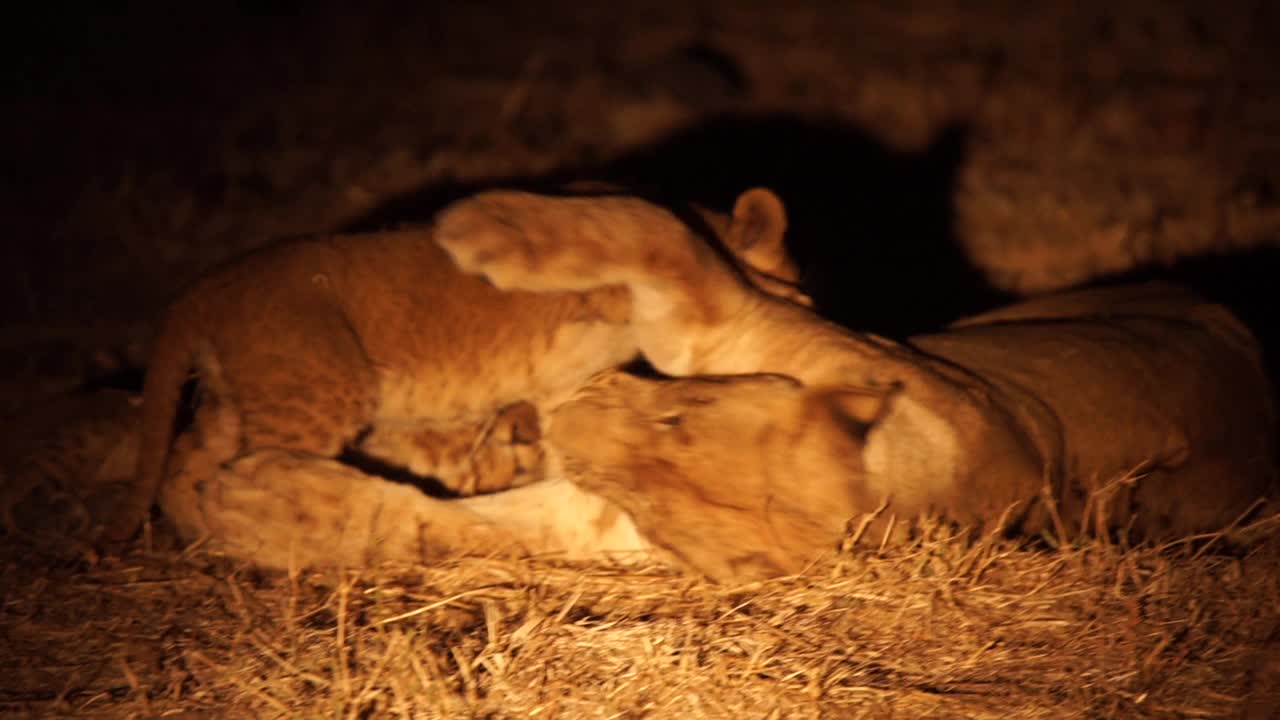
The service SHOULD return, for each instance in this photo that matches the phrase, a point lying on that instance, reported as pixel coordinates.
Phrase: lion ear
(858, 408)
(758, 233)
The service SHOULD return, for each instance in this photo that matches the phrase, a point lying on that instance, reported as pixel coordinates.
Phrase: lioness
(377, 341)
(1008, 420)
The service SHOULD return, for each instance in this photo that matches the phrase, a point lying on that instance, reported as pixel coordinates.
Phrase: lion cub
(1140, 409)
(362, 341)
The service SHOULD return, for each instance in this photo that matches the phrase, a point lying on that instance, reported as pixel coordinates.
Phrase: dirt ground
(943, 155)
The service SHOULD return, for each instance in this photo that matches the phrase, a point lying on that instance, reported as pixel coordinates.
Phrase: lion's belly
(462, 384)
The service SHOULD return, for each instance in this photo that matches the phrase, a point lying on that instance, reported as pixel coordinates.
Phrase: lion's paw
(511, 454)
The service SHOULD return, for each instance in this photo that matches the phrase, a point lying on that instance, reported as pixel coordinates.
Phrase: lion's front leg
(561, 519)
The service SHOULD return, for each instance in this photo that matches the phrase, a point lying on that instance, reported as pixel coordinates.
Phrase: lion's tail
(171, 360)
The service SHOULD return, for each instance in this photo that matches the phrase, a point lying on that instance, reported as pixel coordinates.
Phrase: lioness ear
(758, 232)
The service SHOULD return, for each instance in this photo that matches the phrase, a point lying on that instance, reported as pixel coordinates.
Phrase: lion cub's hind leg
(685, 294)
(524, 241)
(312, 389)
(197, 456)
(287, 510)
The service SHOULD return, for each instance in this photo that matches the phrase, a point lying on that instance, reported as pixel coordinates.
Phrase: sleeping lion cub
(377, 342)
(1141, 409)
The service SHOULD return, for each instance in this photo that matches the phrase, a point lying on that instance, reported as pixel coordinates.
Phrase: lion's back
(1146, 379)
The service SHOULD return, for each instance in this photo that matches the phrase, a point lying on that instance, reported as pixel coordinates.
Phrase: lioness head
(738, 477)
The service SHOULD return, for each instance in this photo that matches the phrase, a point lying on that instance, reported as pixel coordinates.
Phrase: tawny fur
(1008, 421)
(377, 341)
(792, 427)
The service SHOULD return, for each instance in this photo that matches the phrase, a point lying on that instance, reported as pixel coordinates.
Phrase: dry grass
(942, 629)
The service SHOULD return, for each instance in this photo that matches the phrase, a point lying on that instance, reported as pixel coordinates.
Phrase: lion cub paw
(510, 455)
(503, 452)
(522, 241)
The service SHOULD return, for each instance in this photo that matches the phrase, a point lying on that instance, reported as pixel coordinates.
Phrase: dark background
(936, 157)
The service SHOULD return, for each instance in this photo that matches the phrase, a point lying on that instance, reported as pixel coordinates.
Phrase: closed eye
(670, 420)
